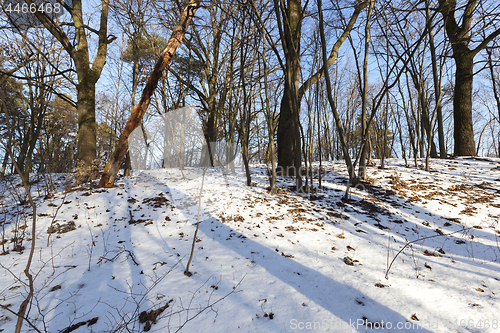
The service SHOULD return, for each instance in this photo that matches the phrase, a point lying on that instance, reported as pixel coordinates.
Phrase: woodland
(333, 113)
(405, 79)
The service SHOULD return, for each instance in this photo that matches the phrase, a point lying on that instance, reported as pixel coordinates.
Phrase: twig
(211, 305)
(417, 240)
(148, 290)
(8, 149)
(16, 314)
(123, 249)
(55, 215)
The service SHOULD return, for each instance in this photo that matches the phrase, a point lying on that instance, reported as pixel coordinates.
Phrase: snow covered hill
(113, 260)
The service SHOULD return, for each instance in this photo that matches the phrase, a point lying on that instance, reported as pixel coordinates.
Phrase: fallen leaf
(348, 261)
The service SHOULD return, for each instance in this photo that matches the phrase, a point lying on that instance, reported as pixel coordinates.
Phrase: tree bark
(113, 165)
(87, 129)
(285, 135)
(462, 105)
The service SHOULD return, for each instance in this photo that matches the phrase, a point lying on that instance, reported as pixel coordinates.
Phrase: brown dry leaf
(431, 254)
(453, 219)
(348, 261)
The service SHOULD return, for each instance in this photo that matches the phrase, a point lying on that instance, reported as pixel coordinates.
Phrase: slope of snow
(262, 262)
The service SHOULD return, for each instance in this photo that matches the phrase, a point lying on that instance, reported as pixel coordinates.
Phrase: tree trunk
(289, 20)
(88, 73)
(288, 127)
(460, 38)
(4, 164)
(427, 126)
(285, 135)
(133, 122)
(353, 180)
(364, 95)
(135, 74)
(87, 129)
(462, 106)
(495, 90)
(442, 145)
(287, 121)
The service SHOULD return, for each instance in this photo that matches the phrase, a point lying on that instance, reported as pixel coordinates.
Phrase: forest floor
(113, 260)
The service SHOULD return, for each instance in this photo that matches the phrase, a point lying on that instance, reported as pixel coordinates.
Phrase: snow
(264, 262)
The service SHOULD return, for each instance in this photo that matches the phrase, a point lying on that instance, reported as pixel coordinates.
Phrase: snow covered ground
(115, 258)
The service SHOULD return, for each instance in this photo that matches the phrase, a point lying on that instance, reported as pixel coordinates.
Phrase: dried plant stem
(24, 305)
(187, 272)
(418, 240)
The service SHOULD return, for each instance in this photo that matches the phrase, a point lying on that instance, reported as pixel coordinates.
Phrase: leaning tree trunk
(113, 165)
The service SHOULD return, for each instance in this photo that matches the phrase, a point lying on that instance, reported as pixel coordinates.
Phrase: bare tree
(460, 34)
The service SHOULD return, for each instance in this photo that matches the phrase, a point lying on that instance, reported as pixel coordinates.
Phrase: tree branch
(486, 41)
(335, 49)
(54, 30)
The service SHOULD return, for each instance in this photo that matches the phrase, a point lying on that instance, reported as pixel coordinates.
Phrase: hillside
(114, 259)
